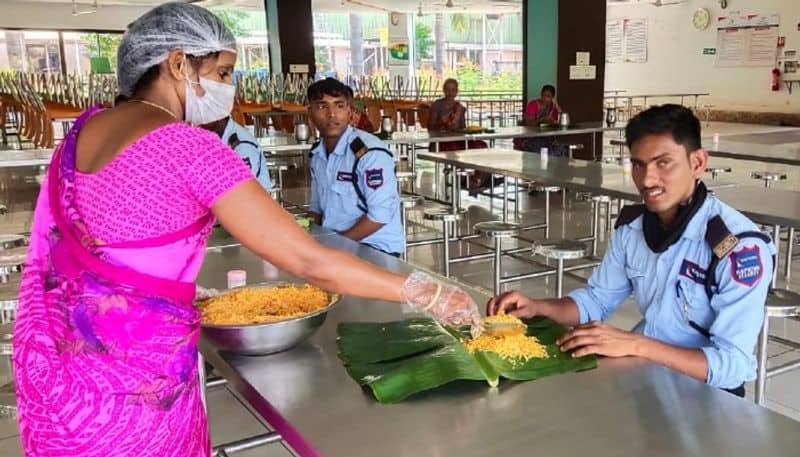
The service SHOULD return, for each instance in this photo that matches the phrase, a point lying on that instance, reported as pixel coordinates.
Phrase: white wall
(43, 15)
(675, 62)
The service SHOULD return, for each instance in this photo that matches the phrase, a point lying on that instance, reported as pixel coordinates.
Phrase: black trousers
(739, 391)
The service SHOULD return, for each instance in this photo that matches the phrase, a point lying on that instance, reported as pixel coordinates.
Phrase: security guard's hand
(513, 303)
(601, 339)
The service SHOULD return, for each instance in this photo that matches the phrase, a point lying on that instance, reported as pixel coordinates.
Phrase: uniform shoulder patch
(374, 178)
(746, 265)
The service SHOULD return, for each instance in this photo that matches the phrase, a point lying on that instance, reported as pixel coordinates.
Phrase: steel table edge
(753, 158)
(538, 178)
(263, 407)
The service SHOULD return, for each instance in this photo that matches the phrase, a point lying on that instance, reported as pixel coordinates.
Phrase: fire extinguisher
(776, 79)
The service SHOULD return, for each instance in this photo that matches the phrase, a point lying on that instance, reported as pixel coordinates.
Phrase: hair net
(150, 38)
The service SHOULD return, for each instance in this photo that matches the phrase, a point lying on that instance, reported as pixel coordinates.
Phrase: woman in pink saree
(105, 342)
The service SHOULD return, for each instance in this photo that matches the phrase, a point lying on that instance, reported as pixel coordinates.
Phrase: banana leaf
(401, 358)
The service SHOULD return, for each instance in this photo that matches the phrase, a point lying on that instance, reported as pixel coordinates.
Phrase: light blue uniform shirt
(248, 149)
(333, 194)
(669, 289)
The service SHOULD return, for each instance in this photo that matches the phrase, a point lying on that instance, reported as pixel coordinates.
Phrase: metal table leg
(403, 221)
(761, 356)
(560, 278)
(201, 374)
(547, 214)
(776, 236)
(505, 198)
(789, 253)
(498, 255)
(595, 227)
(446, 248)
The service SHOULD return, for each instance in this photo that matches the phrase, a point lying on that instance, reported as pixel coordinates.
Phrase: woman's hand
(446, 303)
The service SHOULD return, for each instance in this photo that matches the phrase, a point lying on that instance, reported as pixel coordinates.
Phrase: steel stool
(8, 402)
(447, 218)
(597, 201)
(497, 230)
(572, 148)
(780, 303)
(465, 173)
(768, 177)
(402, 178)
(715, 171)
(620, 144)
(547, 190)
(11, 240)
(11, 261)
(9, 293)
(407, 202)
(560, 250)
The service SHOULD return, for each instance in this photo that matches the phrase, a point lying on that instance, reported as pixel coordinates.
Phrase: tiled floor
(230, 419)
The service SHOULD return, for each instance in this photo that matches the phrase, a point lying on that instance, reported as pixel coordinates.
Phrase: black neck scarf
(658, 237)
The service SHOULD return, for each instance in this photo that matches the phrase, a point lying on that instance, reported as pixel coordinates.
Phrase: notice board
(747, 41)
(626, 40)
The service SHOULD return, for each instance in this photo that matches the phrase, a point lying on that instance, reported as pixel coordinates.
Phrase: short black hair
(330, 87)
(548, 88)
(676, 120)
(450, 81)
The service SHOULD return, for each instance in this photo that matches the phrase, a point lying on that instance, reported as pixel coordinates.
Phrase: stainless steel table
(626, 407)
(579, 175)
(13, 158)
(781, 147)
(776, 207)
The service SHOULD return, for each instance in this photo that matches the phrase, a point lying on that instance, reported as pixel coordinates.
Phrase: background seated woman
(541, 112)
(449, 115)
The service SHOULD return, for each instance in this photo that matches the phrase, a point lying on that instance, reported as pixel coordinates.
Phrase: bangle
(435, 297)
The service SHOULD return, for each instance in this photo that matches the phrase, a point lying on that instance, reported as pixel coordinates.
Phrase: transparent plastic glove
(446, 303)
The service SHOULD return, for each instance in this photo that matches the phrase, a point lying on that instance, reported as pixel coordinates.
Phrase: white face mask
(216, 104)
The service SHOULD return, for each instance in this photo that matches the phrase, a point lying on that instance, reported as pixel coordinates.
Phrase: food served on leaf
(474, 129)
(303, 220)
(259, 305)
(505, 336)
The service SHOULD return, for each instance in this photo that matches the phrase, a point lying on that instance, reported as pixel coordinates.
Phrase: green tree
(423, 41)
(103, 45)
(233, 19)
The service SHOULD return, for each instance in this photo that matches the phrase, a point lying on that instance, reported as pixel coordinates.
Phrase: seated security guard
(698, 269)
(238, 138)
(353, 184)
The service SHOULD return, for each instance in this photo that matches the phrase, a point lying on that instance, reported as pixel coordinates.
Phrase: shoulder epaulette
(628, 214)
(358, 147)
(719, 237)
(313, 147)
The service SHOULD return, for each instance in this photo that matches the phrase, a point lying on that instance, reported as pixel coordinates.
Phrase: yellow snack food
(258, 305)
(516, 347)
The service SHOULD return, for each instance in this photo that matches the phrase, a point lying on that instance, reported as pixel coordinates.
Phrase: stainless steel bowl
(267, 338)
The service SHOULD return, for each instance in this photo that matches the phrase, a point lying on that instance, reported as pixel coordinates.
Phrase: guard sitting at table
(698, 269)
(353, 183)
(238, 138)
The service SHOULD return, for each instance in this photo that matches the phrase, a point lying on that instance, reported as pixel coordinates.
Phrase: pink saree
(105, 356)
